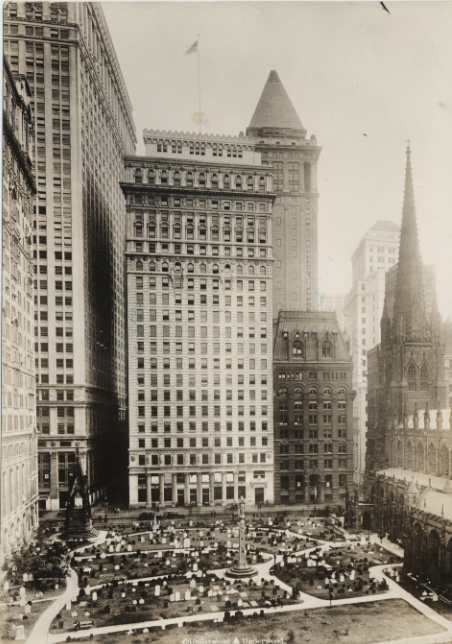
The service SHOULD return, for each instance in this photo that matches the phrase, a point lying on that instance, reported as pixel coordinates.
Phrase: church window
(412, 377)
(297, 348)
(424, 376)
(307, 177)
(326, 349)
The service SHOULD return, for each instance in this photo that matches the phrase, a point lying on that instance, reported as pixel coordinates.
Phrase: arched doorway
(432, 460)
(433, 558)
(410, 461)
(448, 566)
(417, 549)
(444, 461)
(419, 457)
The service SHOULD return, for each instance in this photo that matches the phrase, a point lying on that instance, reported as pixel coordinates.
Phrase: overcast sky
(364, 81)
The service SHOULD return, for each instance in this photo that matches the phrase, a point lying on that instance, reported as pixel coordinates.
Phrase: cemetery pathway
(40, 632)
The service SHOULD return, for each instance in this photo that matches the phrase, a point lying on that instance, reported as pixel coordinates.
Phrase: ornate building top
(409, 303)
(275, 111)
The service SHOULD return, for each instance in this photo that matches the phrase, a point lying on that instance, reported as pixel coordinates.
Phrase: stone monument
(78, 522)
(242, 569)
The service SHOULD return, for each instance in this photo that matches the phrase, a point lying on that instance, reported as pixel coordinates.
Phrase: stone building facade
(199, 306)
(313, 410)
(18, 440)
(281, 139)
(409, 459)
(82, 128)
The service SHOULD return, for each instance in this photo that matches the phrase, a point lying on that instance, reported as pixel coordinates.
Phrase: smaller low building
(313, 415)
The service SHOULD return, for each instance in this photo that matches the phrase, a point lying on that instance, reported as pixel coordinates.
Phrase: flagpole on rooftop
(198, 53)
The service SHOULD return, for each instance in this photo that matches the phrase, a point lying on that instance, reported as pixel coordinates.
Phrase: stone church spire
(409, 301)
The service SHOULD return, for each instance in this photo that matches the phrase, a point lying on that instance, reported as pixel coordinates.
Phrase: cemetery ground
(176, 570)
(371, 622)
(335, 572)
(35, 577)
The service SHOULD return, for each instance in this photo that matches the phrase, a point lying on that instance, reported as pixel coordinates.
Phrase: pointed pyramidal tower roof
(275, 111)
(409, 294)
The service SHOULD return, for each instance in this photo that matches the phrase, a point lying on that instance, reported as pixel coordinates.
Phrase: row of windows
(312, 405)
(179, 315)
(164, 201)
(193, 442)
(200, 459)
(201, 234)
(194, 411)
(201, 250)
(297, 432)
(313, 419)
(179, 267)
(202, 300)
(189, 178)
(299, 480)
(199, 149)
(313, 448)
(311, 375)
(179, 380)
(60, 379)
(167, 331)
(204, 395)
(204, 426)
(203, 363)
(203, 348)
(201, 284)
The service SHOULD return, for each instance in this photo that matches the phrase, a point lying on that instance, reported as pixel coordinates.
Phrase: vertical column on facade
(199, 491)
(211, 488)
(162, 488)
(319, 491)
(223, 482)
(186, 490)
(149, 489)
(54, 475)
(174, 487)
(236, 488)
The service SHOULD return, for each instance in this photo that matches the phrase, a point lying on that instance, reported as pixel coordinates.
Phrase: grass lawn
(371, 623)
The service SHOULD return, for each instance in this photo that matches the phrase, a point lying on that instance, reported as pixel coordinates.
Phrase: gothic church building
(409, 440)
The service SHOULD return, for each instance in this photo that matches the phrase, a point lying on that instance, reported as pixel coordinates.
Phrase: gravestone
(20, 632)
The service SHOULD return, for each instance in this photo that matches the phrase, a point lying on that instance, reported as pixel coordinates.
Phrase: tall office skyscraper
(83, 127)
(199, 303)
(18, 441)
(374, 255)
(281, 139)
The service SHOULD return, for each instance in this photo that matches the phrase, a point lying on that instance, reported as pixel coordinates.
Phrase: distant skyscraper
(281, 138)
(313, 410)
(18, 440)
(83, 127)
(199, 307)
(374, 255)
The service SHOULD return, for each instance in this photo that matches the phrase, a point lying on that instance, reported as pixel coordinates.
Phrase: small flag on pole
(193, 48)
